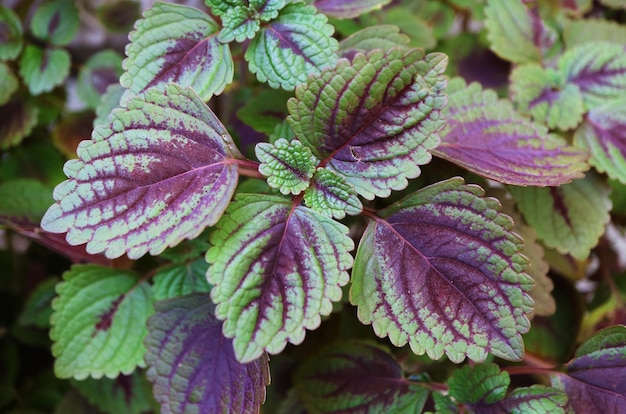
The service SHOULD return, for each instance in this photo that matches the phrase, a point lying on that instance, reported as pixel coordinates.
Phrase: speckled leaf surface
(275, 269)
(570, 218)
(177, 44)
(11, 40)
(297, 43)
(603, 134)
(357, 378)
(485, 135)
(441, 270)
(383, 37)
(594, 379)
(347, 9)
(373, 120)
(99, 322)
(43, 69)
(193, 367)
(160, 172)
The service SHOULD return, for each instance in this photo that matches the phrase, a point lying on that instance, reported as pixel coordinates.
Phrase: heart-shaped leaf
(177, 44)
(159, 173)
(56, 21)
(375, 119)
(275, 269)
(43, 69)
(441, 270)
(193, 367)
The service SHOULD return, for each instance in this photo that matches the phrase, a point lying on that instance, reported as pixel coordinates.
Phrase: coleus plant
(334, 210)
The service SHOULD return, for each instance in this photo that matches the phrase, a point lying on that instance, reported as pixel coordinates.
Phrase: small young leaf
(441, 270)
(536, 399)
(177, 44)
(598, 69)
(357, 377)
(239, 24)
(193, 367)
(122, 395)
(24, 198)
(603, 136)
(9, 84)
(479, 385)
(43, 69)
(38, 308)
(101, 70)
(11, 33)
(577, 32)
(375, 119)
(485, 135)
(544, 94)
(18, 120)
(347, 9)
(275, 270)
(570, 218)
(288, 166)
(181, 279)
(158, 173)
(56, 21)
(595, 380)
(99, 322)
(517, 33)
(330, 195)
(373, 37)
(297, 43)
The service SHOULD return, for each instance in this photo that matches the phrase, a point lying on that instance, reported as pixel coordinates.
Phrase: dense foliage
(256, 182)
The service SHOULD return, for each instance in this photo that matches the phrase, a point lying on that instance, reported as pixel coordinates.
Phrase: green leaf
(18, 120)
(288, 166)
(108, 101)
(570, 218)
(615, 4)
(43, 69)
(242, 19)
(9, 84)
(291, 47)
(38, 307)
(11, 33)
(576, 32)
(24, 198)
(373, 37)
(536, 399)
(275, 270)
(101, 70)
(265, 111)
(547, 96)
(56, 22)
(517, 33)
(420, 31)
(177, 44)
(99, 322)
(479, 384)
(330, 195)
(181, 279)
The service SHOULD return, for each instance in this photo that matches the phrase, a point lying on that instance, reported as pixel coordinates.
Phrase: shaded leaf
(56, 22)
(241, 20)
(419, 28)
(602, 134)
(275, 269)
(536, 399)
(288, 166)
(331, 196)
(72, 129)
(177, 44)
(99, 322)
(74, 403)
(282, 130)
(570, 218)
(357, 377)
(586, 30)
(373, 37)
(193, 367)
(160, 172)
(516, 32)
(485, 135)
(294, 45)
(24, 198)
(181, 279)
(18, 120)
(576, 7)
(126, 394)
(108, 101)
(43, 69)
(38, 307)
(9, 84)
(99, 72)
(11, 33)
(119, 16)
(441, 270)
(347, 9)
(479, 385)
(265, 111)
(375, 119)
(616, 4)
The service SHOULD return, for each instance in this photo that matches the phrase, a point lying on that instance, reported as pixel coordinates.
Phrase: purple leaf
(354, 377)
(375, 119)
(347, 9)
(193, 367)
(441, 270)
(159, 173)
(485, 135)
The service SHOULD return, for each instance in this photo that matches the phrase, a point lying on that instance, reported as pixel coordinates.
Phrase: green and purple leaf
(99, 72)
(294, 45)
(479, 386)
(603, 134)
(56, 22)
(18, 120)
(288, 166)
(594, 380)
(357, 377)
(242, 19)
(536, 399)
(162, 170)
(275, 268)
(99, 322)
(265, 111)
(10, 83)
(485, 135)
(331, 196)
(11, 32)
(570, 218)
(177, 44)
(441, 270)
(193, 367)
(373, 120)
(43, 69)
(347, 9)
